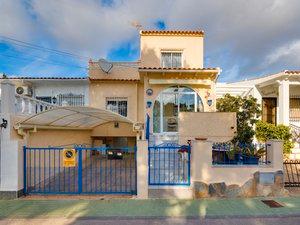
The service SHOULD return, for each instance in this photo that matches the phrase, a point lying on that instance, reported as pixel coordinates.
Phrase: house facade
(168, 79)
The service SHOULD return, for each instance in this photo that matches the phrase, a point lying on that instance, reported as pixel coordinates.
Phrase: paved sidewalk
(154, 221)
(128, 208)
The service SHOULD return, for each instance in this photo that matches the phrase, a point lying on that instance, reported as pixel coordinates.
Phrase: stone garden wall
(254, 187)
(236, 180)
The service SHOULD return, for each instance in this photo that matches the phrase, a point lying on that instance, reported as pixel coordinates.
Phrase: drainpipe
(137, 101)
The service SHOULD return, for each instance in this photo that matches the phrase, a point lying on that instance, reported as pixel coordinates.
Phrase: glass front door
(169, 112)
(168, 105)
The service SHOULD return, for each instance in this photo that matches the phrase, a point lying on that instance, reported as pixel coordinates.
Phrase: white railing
(295, 130)
(30, 106)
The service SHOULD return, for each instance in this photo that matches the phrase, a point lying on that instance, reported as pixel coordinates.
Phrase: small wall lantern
(4, 123)
(149, 104)
(209, 102)
(54, 100)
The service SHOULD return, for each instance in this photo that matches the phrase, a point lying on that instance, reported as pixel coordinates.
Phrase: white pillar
(11, 155)
(256, 94)
(7, 97)
(284, 102)
(142, 169)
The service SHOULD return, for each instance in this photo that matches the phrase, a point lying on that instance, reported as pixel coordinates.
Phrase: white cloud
(15, 21)
(289, 52)
(242, 30)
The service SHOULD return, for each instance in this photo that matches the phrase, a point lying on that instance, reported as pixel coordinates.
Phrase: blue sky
(244, 38)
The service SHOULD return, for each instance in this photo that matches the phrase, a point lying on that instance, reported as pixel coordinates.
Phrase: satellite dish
(105, 65)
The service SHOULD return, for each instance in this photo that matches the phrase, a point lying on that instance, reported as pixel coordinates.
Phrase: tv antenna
(137, 25)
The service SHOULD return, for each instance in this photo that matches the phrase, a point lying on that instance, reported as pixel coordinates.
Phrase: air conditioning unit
(24, 90)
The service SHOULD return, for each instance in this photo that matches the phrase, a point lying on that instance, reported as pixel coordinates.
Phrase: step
(296, 151)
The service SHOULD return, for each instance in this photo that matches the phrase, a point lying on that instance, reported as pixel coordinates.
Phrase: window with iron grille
(71, 99)
(117, 105)
(171, 59)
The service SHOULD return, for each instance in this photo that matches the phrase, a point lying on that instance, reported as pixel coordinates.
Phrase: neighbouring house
(279, 96)
(148, 128)
(72, 91)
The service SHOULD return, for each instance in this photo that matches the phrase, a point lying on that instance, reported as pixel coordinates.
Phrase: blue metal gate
(95, 172)
(169, 164)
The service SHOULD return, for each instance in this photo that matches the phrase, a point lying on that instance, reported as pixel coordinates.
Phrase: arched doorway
(169, 103)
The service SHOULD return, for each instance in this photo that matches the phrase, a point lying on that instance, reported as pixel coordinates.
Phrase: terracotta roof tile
(172, 32)
(292, 71)
(114, 79)
(163, 68)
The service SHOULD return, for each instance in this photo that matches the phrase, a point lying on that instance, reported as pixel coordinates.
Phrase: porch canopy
(68, 117)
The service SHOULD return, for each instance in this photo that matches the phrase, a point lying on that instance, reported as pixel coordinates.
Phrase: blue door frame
(94, 172)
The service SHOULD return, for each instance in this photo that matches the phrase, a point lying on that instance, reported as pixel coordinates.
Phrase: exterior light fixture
(149, 104)
(209, 102)
(54, 100)
(4, 123)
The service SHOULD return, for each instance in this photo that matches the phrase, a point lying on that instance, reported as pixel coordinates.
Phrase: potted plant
(251, 156)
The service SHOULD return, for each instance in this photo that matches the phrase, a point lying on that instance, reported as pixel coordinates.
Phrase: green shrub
(265, 131)
(247, 113)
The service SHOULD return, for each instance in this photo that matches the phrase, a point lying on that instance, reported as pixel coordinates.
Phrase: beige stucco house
(168, 79)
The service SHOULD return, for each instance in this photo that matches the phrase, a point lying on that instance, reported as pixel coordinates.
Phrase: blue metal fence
(95, 171)
(169, 164)
(243, 154)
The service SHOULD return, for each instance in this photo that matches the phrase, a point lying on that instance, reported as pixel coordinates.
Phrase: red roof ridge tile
(292, 71)
(172, 32)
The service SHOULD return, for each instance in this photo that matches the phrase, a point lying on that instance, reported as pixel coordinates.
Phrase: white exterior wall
(54, 88)
(233, 89)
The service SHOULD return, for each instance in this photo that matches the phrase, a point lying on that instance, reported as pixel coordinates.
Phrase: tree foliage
(266, 131)
(247, 112)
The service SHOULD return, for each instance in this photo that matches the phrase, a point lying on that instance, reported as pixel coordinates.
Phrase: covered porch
(280, 98)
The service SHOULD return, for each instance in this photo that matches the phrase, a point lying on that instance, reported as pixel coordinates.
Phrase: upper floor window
(117, 105)
(71, 99)
(171, 59)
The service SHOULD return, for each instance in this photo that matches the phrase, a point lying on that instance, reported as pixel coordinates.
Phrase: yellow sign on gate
(69, 158)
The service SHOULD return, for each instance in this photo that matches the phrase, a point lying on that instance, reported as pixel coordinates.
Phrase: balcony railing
(295, 130)
(29, 106)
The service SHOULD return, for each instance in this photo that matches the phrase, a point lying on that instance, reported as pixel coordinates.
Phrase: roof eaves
(45, 78)
(114, 79)
(178, 69)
